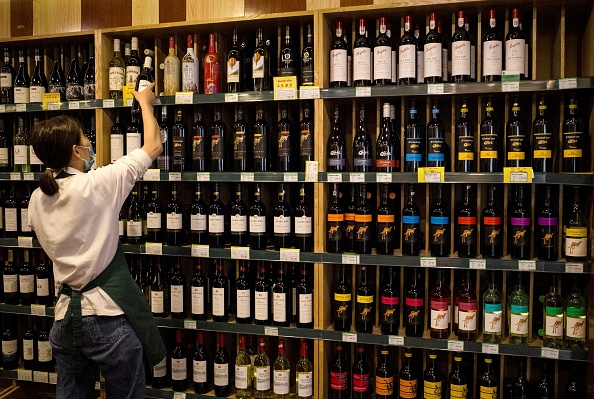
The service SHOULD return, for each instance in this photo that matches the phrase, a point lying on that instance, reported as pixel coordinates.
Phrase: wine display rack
(562, 60)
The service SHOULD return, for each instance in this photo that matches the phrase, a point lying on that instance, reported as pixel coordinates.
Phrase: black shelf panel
(238, 177)
(222, 98)
(22, 309)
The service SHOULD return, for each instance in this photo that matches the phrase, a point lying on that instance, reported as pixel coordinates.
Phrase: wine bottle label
(575, 326)
(281, 382)
(179, 150)
(261, 305)
(241, 376)
(190, 79)
(458, 391)
(279, 307)
(389, 310)
(338, 65)
(362, 156)
(243, 304)
(576, 242)
(10, 219)
(27, 283)
(461, 58)
(221, 374)
(198, 150)
(133, 141)
(467, 231)
(515, 53)
(5, 79)
(258, 65)
(21, 95)
(134, 228)
(304, 384)
(116, 146)
(572, 145)
(217, 145)
(414, 311)
(57, 89)
(260, 146)
(515, 148)
(157, 302)
(364, 308)
(339, 380)
(262, 380)
(305, 308)
(467, 316)
(153, 220)
(239, 224)
(21, 154)
(132, 72)
(9, 350)
(432, 59)
(197, 300)
(382, 62)
(177, 298)
(440, 315)
(465, 148)
(160, 370)
(28, 349)
(284, 143)
(257, 225)
(407, 388)
(218, 301)
(44, 351)
(543, 146)
(489, 146)
(233, 68)
(439, 229)
(362, 63)
(493, 318)
(25, 220)
(4, 157)
(360, 382)
(10, 283)
(42, 287)
(385, 228)
(174, 221)
(216, 224)
(89, 91)
(553, 324)
(487, 392)
(198, 222)
(363, 227)
(239, 146)
(334, 225)
(36, 94)
(338, 160)
(436, 149)
(432, 390)
(199, 371)
(420, 67)
(179, 369)
(492, 57)
(306, 143)
(121, 228)
(384, 385)
(282, 224)
(116, 78)
(406, 61)
(519, 323)
(303, 225)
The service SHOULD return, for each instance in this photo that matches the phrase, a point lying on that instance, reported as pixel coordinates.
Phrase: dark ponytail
(52, 141)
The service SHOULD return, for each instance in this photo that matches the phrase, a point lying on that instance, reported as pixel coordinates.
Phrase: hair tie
(49, 169)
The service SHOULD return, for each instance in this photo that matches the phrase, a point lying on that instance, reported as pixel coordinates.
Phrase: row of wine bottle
(34, 349)
(28, 280)
(358, 226)
(488, 151)
(16, 87)
(563, 322)
(414, 59)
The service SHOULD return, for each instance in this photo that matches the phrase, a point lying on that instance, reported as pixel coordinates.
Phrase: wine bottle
(382, 56)
(338, 59)
(439, 225)
(342, 302)
(243, 297)
(521, 384)
(190, 68)
(389, 303)
(29, 346)
(5, 157)
(488, 383)
(362, 147)
(287, 58)
(517, 142)
(22, 82)
(261, 148)
(363, 223)
(216, 219)
(407, 54)
(304, 374)
(177, 292)
(11, 225)
(384, 376)
(243, 372)
(576, 231)
(547, 229)
(240, 143)
(221, 368)
(45, 359)
(361, 377)
(464, 141)
(158, 291)
(239, 219)
(200, 366)
(553, 317)
(281, 299)
(74, 79)
(7, 76)
(285, 127)
(24, 228)
(306, 141)
(432, 53)
(153, 213)
(440, 308)
(349, 222)
(117, 138)
(492, 312)
(491, 228)
(339, 375)
(387, 154)
(134, 220)
(220, 295)
(335, 223)
(436, 146)
(467, 227)
(174, 219)
(257, 220)
(411, 224)
(281, 369)
(117, 76)
(575, 317)
(336, 146)
(21, 147)
(414, 308)
(282, 221)
(198, 219)
(385, 225)
(212, 68)
(304, 299)
(365, 304)
(133, 64)
(122, 222)
(262, 298)
(307, 59)
(234, 66)
(42, 281)
(573, 141)
(461, 51)
(10, 353)
(491, 144)
(407, 377)
(179, 153)
(543, 144)
(262, 371)
(218, 134)
(26, 281)
(179, 364)
(261, 64)
(197, 294)
(515, 46)
(133, 135)
(458, 380)
(303, 217)
(545, 385)
(574, 388)
(89, 76)
(519, 234)
(467, 311)
(432, 379)
(38, 81)
(57, 80)
(362, 57)
(171, 70)
(143, 80)
(518, 314)
(492, 51)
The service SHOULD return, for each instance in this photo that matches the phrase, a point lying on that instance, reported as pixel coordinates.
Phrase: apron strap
(74, 315)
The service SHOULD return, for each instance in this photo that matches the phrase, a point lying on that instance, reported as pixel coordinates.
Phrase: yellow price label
(431, 175)
(127, 93)
(49, 98)
(285, 87)
(518, 175)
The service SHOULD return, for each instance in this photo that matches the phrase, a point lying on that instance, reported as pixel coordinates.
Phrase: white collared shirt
(78, 227)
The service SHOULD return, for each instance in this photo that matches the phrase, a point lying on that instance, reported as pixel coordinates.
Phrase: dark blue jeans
(111, 346)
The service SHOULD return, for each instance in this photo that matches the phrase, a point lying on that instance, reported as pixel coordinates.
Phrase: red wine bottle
(518, 145)
(339, 376)
(220, 293)
(257, 220)
(216, 220)
(362, 146)
(461, 69)
(43, 281)
(198, 218)
(177, 292)
(261, 148)
(382, 56)
(285, 129)
(491, 143)
(221, 368)
(179, 138)
(200, 365)
(573, 138)
(281, 299)
(336, 146)
(464, 141)
(198, 294)
(262, 296)
(519, 232)
(282, 221)
(362, 56)
(387, 154)
(439, 225)
(218, 135)
(407, 55)
(547, 229)
(240, 143)
(389, 303)
(179, 364)
(466, 236)
(199, 144)
(365, 304)
(361, 376)
(467, 310)
(335, 223)
(440, 316)
(543, 142)
(303, 222)
(385, 227)
(304, 299)
(306, 141)
(433, 53)
(411, 225)
(174, 219)
(384, 376)
(338, 59)
(436, 145)
(307, 59)
(407, 378)
(363, 223)
(492, 51)
(342, 302)
(491, 228)
(243, 296)
(515, 46)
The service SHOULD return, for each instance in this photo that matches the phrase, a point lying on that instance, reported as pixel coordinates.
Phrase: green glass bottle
(518, 314)
(492, 312)
(575, 317)
(553, 316)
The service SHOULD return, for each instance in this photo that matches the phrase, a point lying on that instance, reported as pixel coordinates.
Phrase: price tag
(201, 251)
(492, 349)
(289, 255)
(231, 97)
(179, 395)
(568, 83)
(2, 108)
(479, 264)
(25, 242)
(240, 253)
(435, 88)
(73, 105)
(431, 175)
(175, 176)
(53, 378)
(351, 259)
(40, 376)
(24, 375)
(285, 87)
(357, 178)
(291, 177)
(349, 337)
(128, 102)
(549, 353)
(108, 103)
(527, 265)
(28, 176)
(15, 176)
(97, 385)
(152, 175)
(38, 310)
(53, 106)
(428, 261)
(50, 100)
(247, 176)
(190, 324)
(203, 176)
(309, 93)
(518, 175)
(363, 91)
(574, 268)
(311, 171)
(384, 178)
(334, 177)
(395, 340)
(153, 248)
(510, 86)
(184, 97)
(21, 107)
(457, 346)
(271, 331)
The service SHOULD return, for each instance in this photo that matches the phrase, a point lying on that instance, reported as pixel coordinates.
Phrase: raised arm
(152, 134)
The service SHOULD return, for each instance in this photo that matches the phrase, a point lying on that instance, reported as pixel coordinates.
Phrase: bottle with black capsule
(491, 142)
(362, 146)
(177, 291)
(547, 229)
(38, 80)
(365, 304)
(465, 147)
(199, 143)
(260, 143)
(411, 225)
(303, 222)
(285, 141)
(488, 383)
(389, 312)
(22, 81)
(466, 234)
(519, 235)
(243, 296)
(238, 214)
(363, 223)
(339, 386)
(543, 140)
(458, 379)
(414, 144)
(216, 220)
(336, 146)
(57, 79)
(361, 376)
(197, 292)
(436, 146)
(304, 305)
(408, 384)
(281, 299)
(218, 136)
(257, 221)
(29, 345)
(179, 138)
(439, 225)
(342, 302)
(306, 140)
(282, 221)
(384, 376)
(45, 358)
(521, 385)
(491, 228)
(335, 226)
(517, 144)
(174, 219)
(7, 75)
(179, 364)
(387, 151)
(26, 280)
(220, 294)
(385, 227)
(433, 385)
(240, 143)
(573, 141)
(74, 79)
(198, 218)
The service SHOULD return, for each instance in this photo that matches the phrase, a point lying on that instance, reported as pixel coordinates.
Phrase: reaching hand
(145, 97)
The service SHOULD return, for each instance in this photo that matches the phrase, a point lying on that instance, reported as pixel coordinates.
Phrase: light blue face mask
(89, 163)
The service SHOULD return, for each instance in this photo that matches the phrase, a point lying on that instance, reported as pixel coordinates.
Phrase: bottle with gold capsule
(458, 381)
(432, 379)
(407, 378)
(488, 381)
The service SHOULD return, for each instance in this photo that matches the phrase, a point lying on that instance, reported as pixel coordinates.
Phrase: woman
(102, 320)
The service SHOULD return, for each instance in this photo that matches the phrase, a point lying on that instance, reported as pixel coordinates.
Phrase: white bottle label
(303, 225)
(198, 222)
(143, 84)
(221, 374)
(492, 57)
(456, 309)
(218, 301)
(28, 349)
(197, 300)
(257, 224)
(21, 95)
(420, 67)
(21, 154)
(576, 327)
(44, 351)
(121, 227)
(282, 224)
(116, 78)
(281, 382)
(199, 371)
(406, 61)
(160, 370)
(3, 156)
(117, 147)
(216, 223)
(27, 283)
(25, 220)
(553, 326)
(238, 223)
(258, 67)
(493, 322)
(338, 65)
(190, 74)
(432, 59)
(157, 302)
(10, 283)
(461, 58)
(362, 63)
(261, 305)
(179, 369)
(5, 79)
(133, 141)
(10, 219)
(515, 50)
(42, 286)
(467, 321)
(472, 62)
(262, 378)
(382, 62)
(174, 221)
(134, 228)
(305, 308)
(132, 73)
(576, 246)
(393, 73)
(233, 71)
(241, 376)
(177, 298)
(305, 384)
(279, 309)
(33, 159)
(9, 348)
(440, 319)
(36, 94)
(153, 220)
(243, 303)
(519, 324)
